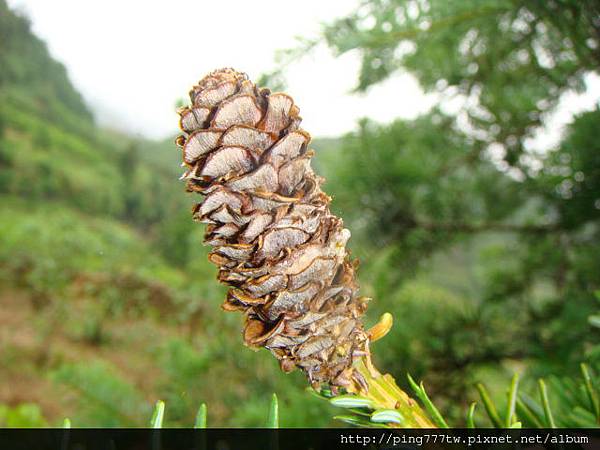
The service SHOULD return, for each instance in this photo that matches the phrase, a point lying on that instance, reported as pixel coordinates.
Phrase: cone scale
(274, 239)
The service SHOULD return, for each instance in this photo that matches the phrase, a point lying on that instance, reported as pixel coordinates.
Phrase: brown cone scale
(274, 238)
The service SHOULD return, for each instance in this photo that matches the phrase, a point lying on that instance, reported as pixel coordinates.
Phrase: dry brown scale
(275, 240)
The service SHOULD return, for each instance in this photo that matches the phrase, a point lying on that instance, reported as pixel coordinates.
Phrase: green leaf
(273, 417)
(429, 406)
(584, 418)
(512, 399)
(201, 416)
(316, 393)
(527, 414)
(431, 409)
(489, 406)
(157, 416)
(387, 416)
(516, 425)
(360, 412)
(351, 401)
(470, 413)
(326, 392)
(546, 404)
(358, 421)
(67, 423)
(591, 392)
(413, 385)
(533, 405)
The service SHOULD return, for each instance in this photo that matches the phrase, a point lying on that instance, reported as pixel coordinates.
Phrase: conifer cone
(275, 240)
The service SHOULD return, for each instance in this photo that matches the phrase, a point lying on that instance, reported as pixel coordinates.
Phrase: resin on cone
(274, 238)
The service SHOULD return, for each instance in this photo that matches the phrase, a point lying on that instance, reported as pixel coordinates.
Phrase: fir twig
(273, 417)
(351, 401)
(546, 404)
(157, 416)
(526, 413)
(278, 245)
(470, 413)
(387, 416)
(591, 392)
(489, 406)
(201, 417)
(512, 399)
(429, 406)
(359, 421)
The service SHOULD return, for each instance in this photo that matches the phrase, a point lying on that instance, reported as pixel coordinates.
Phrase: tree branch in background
(487, 227)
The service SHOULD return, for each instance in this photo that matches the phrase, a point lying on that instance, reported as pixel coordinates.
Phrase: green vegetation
(485, 250)
(575, 400)
(483, 245)
(108, 302)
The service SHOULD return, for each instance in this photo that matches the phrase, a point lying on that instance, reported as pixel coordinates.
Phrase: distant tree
(526, 220)
(127, 166)
(24, 61)
(2, 125)
(512, 59)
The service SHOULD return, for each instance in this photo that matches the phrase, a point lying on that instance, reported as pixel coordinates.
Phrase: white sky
(133, 59)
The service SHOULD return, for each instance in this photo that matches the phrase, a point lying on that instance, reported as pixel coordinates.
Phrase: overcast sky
(132, 60)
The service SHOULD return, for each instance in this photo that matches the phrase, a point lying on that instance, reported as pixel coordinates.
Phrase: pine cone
(275, 240)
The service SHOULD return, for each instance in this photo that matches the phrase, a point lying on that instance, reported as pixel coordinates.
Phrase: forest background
(484, 246)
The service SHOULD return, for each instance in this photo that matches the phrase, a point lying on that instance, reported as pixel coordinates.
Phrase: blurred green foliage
(485, 247)
(485, 250)
(24, 415)
(36, 78)
(102, 395)
(108, 300)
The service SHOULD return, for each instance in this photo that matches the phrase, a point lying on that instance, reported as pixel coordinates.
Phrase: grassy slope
(107, 302)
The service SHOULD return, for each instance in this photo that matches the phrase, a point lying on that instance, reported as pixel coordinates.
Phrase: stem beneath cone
(385, 394)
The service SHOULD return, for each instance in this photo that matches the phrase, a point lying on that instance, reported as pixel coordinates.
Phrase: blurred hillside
(107, 300)
(489, 261)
